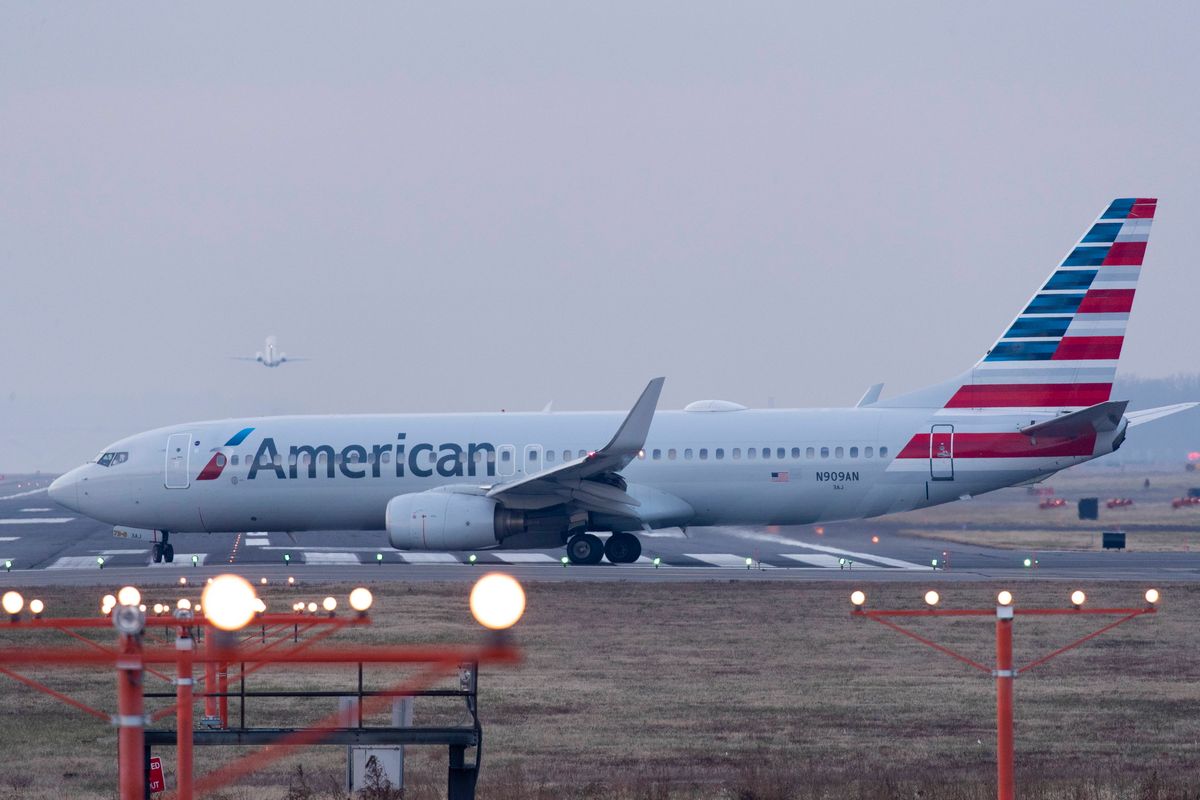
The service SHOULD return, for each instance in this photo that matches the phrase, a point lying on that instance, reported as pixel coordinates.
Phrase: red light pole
(183, 703)
(130, 707)
(1004, 671)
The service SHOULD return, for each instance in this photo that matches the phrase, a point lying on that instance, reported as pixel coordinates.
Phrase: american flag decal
(779, 477)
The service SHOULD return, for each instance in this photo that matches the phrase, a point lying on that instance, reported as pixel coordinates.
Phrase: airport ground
(705, 679)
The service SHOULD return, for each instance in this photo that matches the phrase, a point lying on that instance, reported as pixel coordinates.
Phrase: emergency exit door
(941, 452)
(179, 445)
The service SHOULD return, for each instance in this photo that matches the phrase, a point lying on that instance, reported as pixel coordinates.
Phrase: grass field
(1011, 518)
(718, 690)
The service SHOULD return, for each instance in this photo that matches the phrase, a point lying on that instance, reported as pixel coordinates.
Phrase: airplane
(1037, 401)
(270, 356)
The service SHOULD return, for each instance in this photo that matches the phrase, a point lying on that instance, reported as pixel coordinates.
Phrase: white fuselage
(339, 472)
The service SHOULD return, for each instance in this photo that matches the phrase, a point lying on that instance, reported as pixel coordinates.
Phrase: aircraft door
(533, 459)
(178, 450)
(941, 452)
(507, 456)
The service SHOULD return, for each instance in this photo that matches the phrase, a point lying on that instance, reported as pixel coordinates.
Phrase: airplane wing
(1151, 414)
(1100, 417)
(591, 482)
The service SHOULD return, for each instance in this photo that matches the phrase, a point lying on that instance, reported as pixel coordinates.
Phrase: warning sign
(157, 784)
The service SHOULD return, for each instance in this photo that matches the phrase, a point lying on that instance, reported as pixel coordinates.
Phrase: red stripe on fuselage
(1005, 445)
(1030, 395)
(1075, 348)
(212, 470)
(1106, 301)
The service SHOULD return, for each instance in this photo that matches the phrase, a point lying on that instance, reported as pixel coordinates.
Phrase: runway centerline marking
(36, 520)
(33, 510)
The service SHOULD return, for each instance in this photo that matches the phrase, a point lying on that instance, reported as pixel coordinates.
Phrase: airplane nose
(64, 490)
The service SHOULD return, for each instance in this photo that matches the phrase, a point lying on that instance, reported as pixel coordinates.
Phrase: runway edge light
(858, 598)
(1078, 598)
(1005, 598)
(497, 601)
(932, 597)
(1152, 596)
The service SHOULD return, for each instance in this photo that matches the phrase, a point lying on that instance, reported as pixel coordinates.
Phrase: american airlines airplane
(270, 356)
(1037, 402)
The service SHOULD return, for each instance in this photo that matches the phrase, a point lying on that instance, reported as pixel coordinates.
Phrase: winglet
(1150, 414)
(631, 436)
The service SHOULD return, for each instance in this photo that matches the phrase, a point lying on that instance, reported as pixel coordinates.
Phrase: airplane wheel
(585, 548)
(623, 548)
(158, 553)
(168, 553)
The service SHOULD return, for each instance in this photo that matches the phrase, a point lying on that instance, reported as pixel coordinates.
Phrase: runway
(43, 543)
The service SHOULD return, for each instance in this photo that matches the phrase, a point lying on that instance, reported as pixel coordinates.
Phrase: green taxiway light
(657, 561)
(195, 560)
(379, 558)
(8, 565)
(933, 563)
(749, 562)
(1029, 562)
(471, 559)
(287, 558)
(100, 561)
(565, 561)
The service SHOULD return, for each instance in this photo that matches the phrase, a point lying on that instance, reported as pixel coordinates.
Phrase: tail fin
(1061, 351)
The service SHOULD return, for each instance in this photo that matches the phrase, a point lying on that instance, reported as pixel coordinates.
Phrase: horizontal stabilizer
(1100, 417)
(1151, 414)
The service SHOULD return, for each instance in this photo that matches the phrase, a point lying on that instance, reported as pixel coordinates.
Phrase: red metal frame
(132, 658)
(1004, 671)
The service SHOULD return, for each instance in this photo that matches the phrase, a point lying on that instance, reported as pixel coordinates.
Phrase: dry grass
(723, 690)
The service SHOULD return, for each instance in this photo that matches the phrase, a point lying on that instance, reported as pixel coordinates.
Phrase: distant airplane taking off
(271, 356)
(1035, 403)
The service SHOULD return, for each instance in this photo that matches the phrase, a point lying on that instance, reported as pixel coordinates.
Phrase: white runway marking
(725, 560)
(526, 558)
(330, 558)
(429, 558)
(256, 541)
(820, 548)
(181, 560)
(139, 551)
(9, 538)
(74, 562)
(317, 549)
(36, 520)
(891, 562)
(33, 510)
(824, 561)
(22, 494)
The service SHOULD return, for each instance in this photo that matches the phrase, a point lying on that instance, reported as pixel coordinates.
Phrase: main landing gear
(587, 548)
(164, 550)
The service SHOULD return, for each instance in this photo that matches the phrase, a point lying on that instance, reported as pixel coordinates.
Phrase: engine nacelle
(457, 521)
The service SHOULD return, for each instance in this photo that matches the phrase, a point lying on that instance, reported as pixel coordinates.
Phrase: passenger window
(838, 453)
(737, 452)
(277, 460)
(868, 452)
(386, 457)
(824, 452)
(671, 454)
(566, 455)
(720, 453)
(505, 456)
(688, 454)
(549, 455)
(233, 459)
(750, 451)
(810, 453)
(854, 452)
(883, 452)
(532, 455)
(657, 454)
(704, 454)
(780, 452)
(292, 459)
(795, 452)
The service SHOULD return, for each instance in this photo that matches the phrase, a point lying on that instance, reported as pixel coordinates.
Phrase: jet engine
(441, 520)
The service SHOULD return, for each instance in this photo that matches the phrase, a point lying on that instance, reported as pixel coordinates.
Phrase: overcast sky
(474, 207)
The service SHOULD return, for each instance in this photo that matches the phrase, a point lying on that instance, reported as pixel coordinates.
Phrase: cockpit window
(112, 459)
